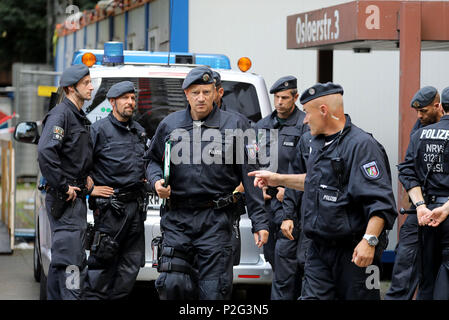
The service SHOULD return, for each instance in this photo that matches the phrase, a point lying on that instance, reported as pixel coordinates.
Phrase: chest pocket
(332, 216)
(289, 137)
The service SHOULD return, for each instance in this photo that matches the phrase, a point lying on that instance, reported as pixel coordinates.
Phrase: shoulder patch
(58, 133)
(371, 170)
(252, 151)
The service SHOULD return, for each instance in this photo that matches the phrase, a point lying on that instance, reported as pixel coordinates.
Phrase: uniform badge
(58, 133)
(371, 170)
(252, 151)
(206, 77)
(285, 84)
(311, 91)
(416, 104)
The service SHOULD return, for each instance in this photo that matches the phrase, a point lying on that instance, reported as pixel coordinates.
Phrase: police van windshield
(158, 97)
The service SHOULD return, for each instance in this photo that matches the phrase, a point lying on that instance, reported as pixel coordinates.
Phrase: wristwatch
(372, 239)
(419, 203)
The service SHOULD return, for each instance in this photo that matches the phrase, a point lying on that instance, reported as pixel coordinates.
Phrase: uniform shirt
(428, 149)
(289, 133)
(247, 123)
(292, 198)
(339, 200)
(194, 178)
(64, 149)
(416, 126)
(118, 152)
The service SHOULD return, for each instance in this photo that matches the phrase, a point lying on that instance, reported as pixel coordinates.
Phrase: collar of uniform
(79, 113)
(445, 117)
(123, 125)
(212, 120)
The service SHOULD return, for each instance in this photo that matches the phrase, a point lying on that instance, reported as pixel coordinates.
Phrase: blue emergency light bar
(113, 53)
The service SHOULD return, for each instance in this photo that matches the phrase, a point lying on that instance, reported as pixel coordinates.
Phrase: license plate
(154, 202)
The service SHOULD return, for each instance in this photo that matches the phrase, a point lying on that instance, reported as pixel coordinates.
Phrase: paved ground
(17, 281)
(16, 276)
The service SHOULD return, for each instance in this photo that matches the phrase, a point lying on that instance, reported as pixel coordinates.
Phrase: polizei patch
(371, 170)
(58, 133)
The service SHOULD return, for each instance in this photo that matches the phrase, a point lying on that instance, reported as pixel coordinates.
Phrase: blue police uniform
(280, 251)
(118, 162)
(292, 211)
(348, 181)
(426, 165)
(236, 237)
(64, 156)
(407, 265)
(196, 223)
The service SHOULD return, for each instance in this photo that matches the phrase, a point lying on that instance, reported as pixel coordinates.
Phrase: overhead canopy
(366, 25)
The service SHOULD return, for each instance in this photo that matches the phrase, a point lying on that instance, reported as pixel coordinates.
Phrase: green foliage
(22, 31)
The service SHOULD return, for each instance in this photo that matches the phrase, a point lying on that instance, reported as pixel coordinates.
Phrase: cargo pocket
(225, 280)
(68, 247)
(55, 206)
(332, 218)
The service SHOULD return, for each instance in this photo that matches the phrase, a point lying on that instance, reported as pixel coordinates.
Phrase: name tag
(289, 143)
(330, 198)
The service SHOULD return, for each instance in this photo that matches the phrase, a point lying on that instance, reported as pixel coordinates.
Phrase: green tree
(22, 31)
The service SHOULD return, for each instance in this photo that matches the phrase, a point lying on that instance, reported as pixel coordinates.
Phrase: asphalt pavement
(16, 276)
(17, 281)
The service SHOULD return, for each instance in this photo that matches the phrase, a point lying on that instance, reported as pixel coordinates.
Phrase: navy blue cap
(284, 83)
(73, 74)
(445, 95)
(423, 97)
(120, 88)
(320, 90)
(217, 78)
(198, 75)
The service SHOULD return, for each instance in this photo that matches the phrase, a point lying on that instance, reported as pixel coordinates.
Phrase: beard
(125, 114)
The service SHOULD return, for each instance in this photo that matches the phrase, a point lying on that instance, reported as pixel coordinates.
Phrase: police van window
(158, 97)
(155, 99)
(242, 97)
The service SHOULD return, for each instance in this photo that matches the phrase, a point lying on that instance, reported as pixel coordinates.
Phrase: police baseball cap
(423, 97)
(284, 83)
(198, 75)
(120, 88)
(73, 74)
(445, 96)
(217, 78)
(320, 90)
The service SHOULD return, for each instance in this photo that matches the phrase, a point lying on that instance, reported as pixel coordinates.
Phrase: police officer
(291, 206)
(196, 261)
(64, 155)
(117, 200)
(288, 120)
(239, 191)
(348, 201)
(407, 264)
(425, 175)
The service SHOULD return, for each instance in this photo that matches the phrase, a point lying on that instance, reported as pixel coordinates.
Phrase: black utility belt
(343, 242)
(437, 199)
(127, 196)
(195, 203)
(62, 195)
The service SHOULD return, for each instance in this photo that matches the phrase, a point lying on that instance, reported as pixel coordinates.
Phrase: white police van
(158, 77)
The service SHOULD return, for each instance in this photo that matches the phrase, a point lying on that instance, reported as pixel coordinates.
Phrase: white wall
(136, 29)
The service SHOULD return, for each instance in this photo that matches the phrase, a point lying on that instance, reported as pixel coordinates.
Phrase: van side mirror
(27, 132)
